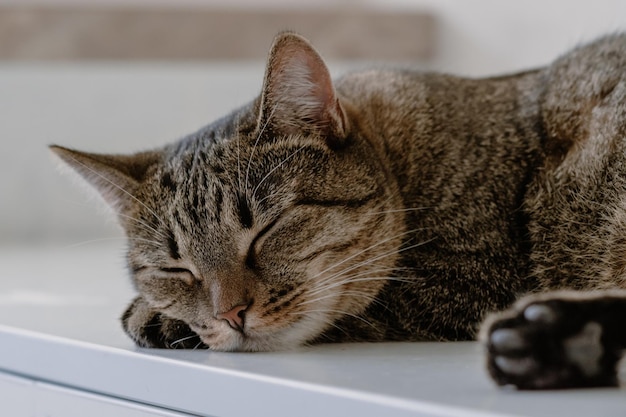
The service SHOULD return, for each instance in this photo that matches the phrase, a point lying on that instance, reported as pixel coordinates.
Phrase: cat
(390, 205)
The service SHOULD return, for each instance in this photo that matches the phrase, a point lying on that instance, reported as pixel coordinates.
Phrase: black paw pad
(549, 344)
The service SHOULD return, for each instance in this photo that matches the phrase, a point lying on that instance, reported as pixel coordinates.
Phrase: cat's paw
(551, 341)
(152, 329)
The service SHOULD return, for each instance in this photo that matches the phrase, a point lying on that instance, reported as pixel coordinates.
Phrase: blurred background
(124, 75)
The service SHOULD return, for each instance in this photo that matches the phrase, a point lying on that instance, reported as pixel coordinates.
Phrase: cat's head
(264, 228)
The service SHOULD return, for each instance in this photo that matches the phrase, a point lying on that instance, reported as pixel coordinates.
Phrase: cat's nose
(235, 316)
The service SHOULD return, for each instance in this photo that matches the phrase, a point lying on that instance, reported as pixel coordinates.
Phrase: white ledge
(71, 338)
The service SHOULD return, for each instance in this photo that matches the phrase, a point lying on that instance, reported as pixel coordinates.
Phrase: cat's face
(261, 230)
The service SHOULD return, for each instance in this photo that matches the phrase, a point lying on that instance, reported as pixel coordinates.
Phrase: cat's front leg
(558, 340)
(150, 328)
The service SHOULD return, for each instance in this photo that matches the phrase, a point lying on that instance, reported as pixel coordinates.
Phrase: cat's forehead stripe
(167, 182)
(173, 246)
(244, 212)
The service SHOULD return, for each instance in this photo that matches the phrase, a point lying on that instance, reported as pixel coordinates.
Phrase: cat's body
(390, 205)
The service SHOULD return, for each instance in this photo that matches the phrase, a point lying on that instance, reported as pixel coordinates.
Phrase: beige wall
(476, 36)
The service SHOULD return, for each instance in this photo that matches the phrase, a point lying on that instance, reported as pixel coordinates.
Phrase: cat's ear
(298, 93)
(115, 177)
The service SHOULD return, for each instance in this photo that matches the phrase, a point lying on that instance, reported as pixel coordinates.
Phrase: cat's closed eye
(255, 245)
(176, 273)
(176, 270)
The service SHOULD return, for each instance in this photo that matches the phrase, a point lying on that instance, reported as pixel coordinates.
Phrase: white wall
(102, 108)
(487, 36)
(121, 107)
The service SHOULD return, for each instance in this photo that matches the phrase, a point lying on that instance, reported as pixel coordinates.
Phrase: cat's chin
(237, 342)
(225, 342)
(256, 340)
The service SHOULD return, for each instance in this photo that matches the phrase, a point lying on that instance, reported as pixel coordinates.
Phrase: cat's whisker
(362, 251)
(198, 345)
(114, 184)
(174, 343)
(265, 198)
(274, 169)
(354, 293)
(147, 227)
(340, 312)
(323, 282)
(138, 239)
(328, 322)
(317, 289)
(347, 271)
(105, 239)
(400, 210)
(370, 261)
(386, 202)
(258, 138)
(369, 279)
(91, 241)
(357, 278)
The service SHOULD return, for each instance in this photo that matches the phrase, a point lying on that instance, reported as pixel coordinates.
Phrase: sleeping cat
(390, 205)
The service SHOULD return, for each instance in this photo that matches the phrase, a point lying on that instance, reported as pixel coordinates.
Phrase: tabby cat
(390, 205)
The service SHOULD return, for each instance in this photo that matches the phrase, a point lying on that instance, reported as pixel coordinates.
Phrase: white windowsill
(58, 328)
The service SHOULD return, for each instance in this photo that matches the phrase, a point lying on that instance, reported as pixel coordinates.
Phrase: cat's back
(398, 94)
(427, 125)
(581, 83)
(436, 118)
(576, 201)
(543, 111)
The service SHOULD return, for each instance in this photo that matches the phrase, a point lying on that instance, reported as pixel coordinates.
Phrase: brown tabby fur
(388, 205)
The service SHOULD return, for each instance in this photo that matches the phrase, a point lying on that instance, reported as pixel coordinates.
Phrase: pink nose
(235, 317)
